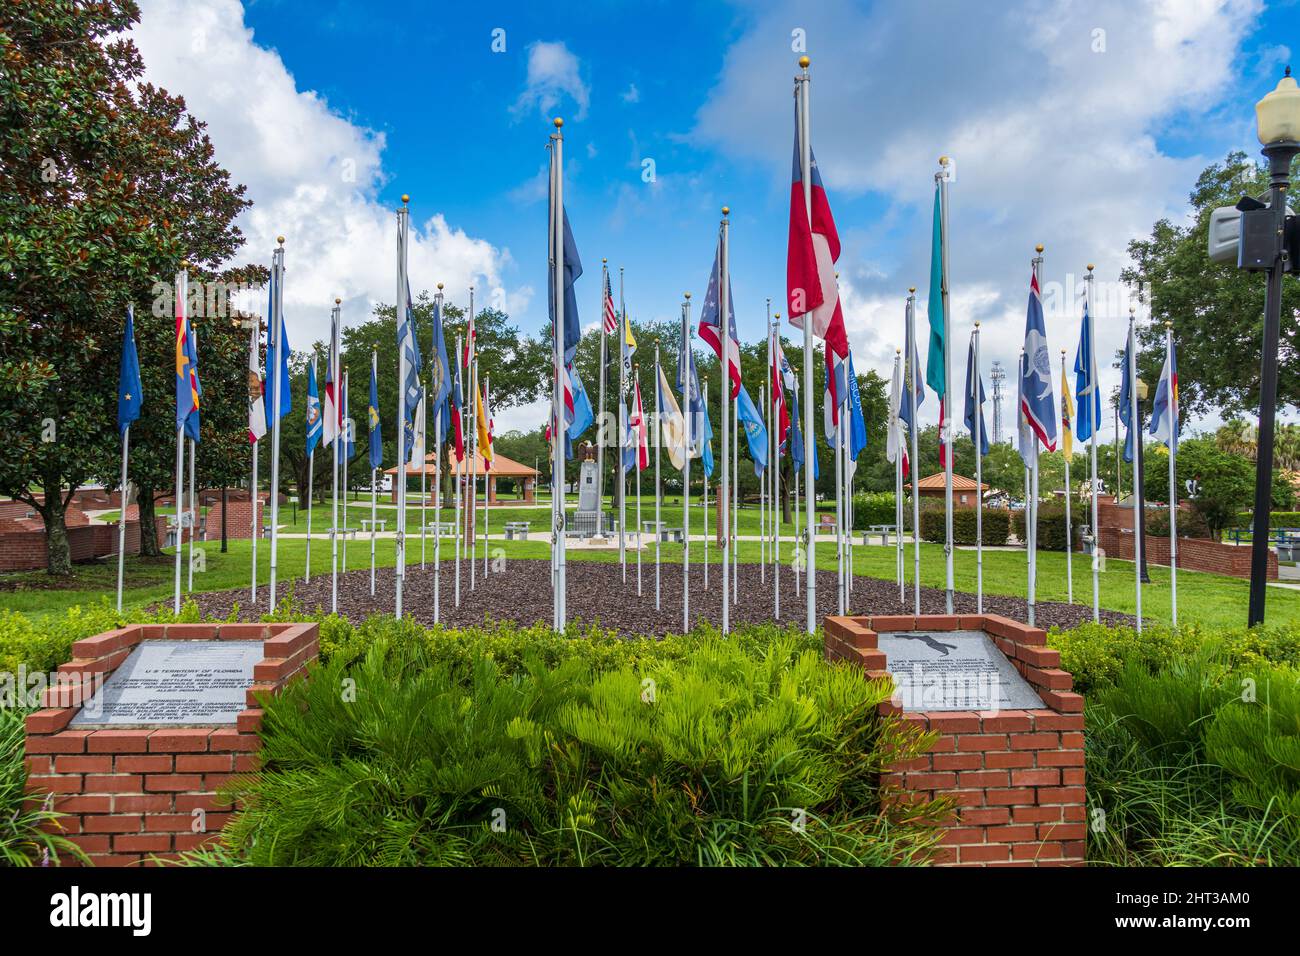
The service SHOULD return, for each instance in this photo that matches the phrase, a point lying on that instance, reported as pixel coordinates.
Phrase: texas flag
(811, 290)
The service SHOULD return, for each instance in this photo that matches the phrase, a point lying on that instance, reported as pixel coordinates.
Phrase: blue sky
(1063, 135)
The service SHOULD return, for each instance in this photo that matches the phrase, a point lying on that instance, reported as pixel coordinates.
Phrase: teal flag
(935, 362)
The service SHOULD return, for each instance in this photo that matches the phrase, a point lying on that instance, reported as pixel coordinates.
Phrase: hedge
(997, 526)
(1051, 524)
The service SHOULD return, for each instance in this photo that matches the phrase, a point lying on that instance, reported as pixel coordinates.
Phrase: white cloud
(631, 94)
(553, 73)
(313, 175)
(1056, 143)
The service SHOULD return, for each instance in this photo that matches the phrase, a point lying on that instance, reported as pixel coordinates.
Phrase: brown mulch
(597, 594)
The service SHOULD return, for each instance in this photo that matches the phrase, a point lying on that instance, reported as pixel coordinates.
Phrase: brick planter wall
(1017, 775)
(131, 794)
(1194, 554)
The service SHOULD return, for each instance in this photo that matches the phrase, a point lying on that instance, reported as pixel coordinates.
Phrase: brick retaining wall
(1194, 554)
(138, 793)
(1017, 775)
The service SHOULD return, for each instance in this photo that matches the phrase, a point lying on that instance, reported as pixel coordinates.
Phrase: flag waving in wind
(1164, 410)
(408, 341)
(256, 388)
(711, 330)
(752, 422)
(611, 317)
(1126, 395)
(314, 425)
(780, 407)
(372, 421)
(975, 386)
(129, 389)
(1067, 413)
(333, 418)
(637, 426)
(1085, 380)
(1036, 373)
(935, 363)
(672, 423)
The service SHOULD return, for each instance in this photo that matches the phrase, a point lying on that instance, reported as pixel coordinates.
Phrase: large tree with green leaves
(1217, 310)
(106, 185)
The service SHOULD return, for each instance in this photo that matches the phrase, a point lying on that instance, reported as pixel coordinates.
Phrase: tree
(1217, 310)
(106, 185)
(1225, 484)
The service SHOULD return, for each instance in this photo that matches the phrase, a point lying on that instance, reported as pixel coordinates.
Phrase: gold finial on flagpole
(280, 239)
(944, 160)
(406, 198)
(726, 210)
(1090, 267)
(338, 301)
(776, 315)
(977, 325)
(1039, 248)
(804, 61)
(1169, 325)
(687, 294)
(898, 351)
(559, 123)
(439, 286)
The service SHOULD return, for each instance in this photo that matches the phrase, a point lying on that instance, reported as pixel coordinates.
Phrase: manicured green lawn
(1203, 598)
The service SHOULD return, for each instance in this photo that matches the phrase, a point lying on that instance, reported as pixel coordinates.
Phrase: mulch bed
(597, 594)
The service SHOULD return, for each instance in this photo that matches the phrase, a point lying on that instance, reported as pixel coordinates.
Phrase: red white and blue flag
(812, 293)
(611, 316)
(711, 321)
(1037, 404)
(780, 406)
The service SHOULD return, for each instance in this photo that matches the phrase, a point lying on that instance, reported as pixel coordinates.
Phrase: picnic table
(652, 527)
(673, 534)
(516, 529)
(345, 532)
(441, 527)
(379, 524)
(884, 530)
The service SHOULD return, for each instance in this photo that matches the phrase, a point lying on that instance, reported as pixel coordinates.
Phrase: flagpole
(1069, 536)
(345, 432)
(659, 531)
(773, 335)
(704, 398)
(557, 395)
(900, 560)
(255, 501)
(487, 479)
(914, 362)
(182, 292)
(684, 367)
(424, 493)
(622, 428)
(437, 485)
(1137, 437)
(767, 464)
(734, 501)
(277, 326)
(311, 474)
(121, 521)
(978, 392)
(839, 502)
(1031, 514)
(724, 493)
(473, 476)
(456, 473)
(374, 490)
(1094, 425)
(600, 411)
(192, 510)
(336, 379)
(399, 306)
(810, 434)
(946, 425)
(1172, 412)
(636, 377)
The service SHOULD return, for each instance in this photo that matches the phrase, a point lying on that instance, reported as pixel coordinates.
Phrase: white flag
(895, 424)
(417, 441)
(256, 389)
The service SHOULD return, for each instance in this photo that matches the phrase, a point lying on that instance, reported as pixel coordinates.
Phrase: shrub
(1051, 524)
(691, 751)
(24, 839)
(1191, 524)
(878, 508)
(45, 643)
(996, 526)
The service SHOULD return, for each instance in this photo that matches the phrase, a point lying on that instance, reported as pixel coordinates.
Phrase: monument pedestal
(147, 723)
(1009, 749)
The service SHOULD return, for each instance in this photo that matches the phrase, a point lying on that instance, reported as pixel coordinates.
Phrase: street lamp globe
(1277, 115)
(1141, 390)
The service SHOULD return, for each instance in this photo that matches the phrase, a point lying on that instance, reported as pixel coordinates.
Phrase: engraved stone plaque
(588, 500)
(175, 684)
(954, 670)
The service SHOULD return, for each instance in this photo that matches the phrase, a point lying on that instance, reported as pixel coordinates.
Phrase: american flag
(711, 324)
(611, 317)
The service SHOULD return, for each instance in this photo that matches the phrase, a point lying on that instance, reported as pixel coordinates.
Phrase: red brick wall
(25, 550)
(1017, 776)
(132, 794)
(1195, 554)
(239, 521)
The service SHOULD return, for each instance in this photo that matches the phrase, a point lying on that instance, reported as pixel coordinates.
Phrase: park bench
(343, 532)
(379, 524)
(826, 523)
(673, 534)
(441, 527)
(515, 529)
(652, 527)
(884, 530)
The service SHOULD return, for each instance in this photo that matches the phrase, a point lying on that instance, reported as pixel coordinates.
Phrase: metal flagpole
(473, 472)
(336, 378)
(374, 491)
(557, 395)
(636, 377)
(946, 425)
(1095, 425)
(345, 432)
(772, 335)
(734, 500)
(622, 427)
(182, 292)
(704, 398)
(458, 384)
(424, 492)
(839, 506)
(437, 492)
(724, 492)
(600, 409)
(914, 363)
(1069, 535)
(311, 475)
(487, 385)
(1031, 513)
(810, 436)
(658, 432)
(399, 476)
(978, 391)
(762, 490)
(1172, 411)
(123, 498)
(900, 560)
(684, 369)
(255, 501)
(277, 326)
(1137, 437)
(797, 538)
(192, 511)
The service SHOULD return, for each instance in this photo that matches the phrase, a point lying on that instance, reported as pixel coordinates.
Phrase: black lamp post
(1278, 123)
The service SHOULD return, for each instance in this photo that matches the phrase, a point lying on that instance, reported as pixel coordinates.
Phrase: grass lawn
(1206, 599)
